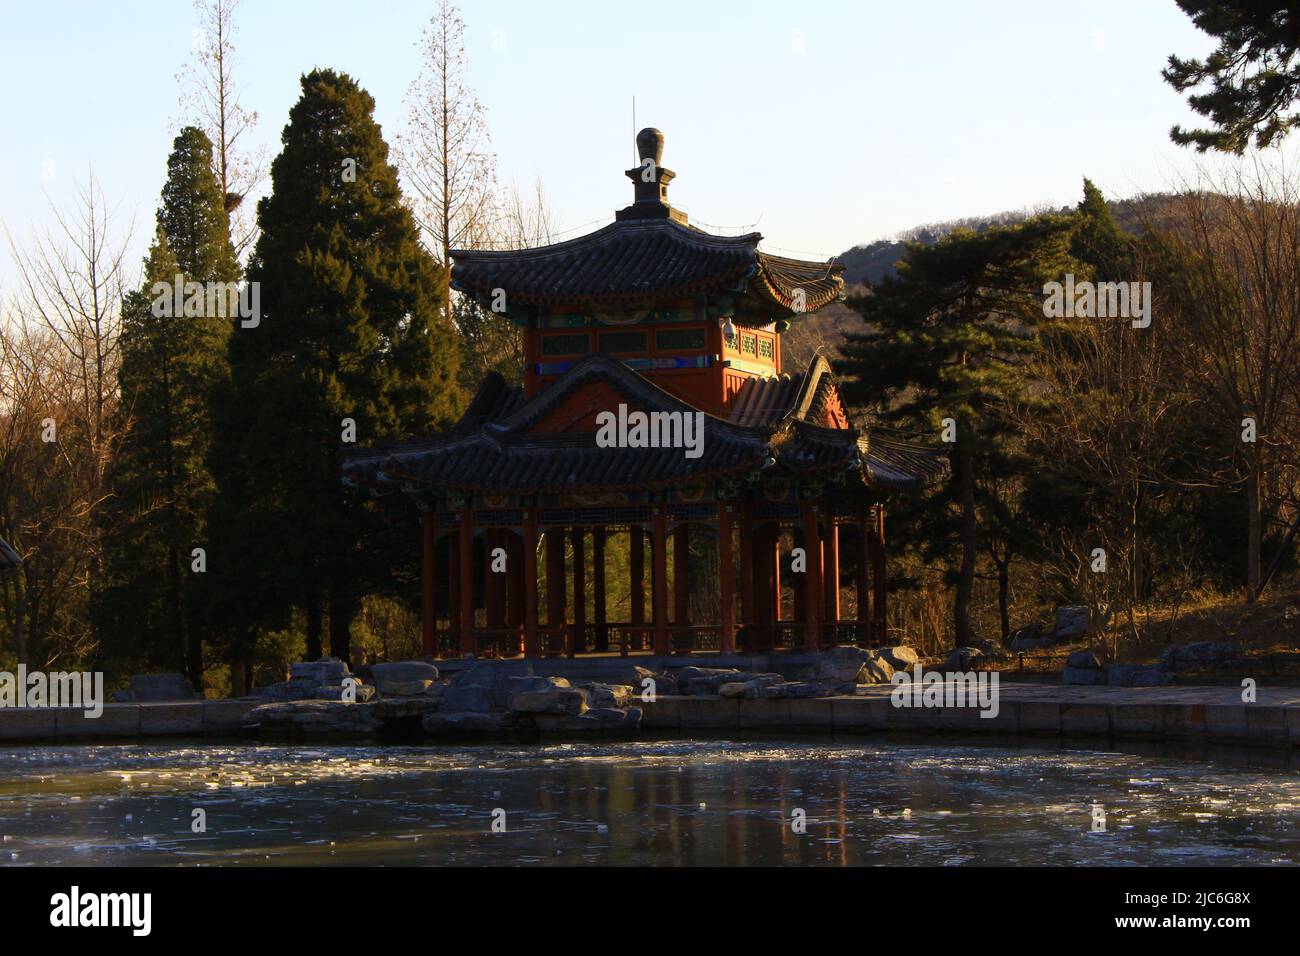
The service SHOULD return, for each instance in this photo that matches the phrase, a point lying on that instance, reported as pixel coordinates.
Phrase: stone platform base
(188, 718)
(1176, 713)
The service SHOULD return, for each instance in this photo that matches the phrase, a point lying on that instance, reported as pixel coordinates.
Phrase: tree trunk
(1255, 532)
(1004, 587)
(964, 465)
(20, 612)
(314, 649)
(238, 670)
(342, 608)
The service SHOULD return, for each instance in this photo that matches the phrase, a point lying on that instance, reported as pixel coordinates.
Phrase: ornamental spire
(650, 181)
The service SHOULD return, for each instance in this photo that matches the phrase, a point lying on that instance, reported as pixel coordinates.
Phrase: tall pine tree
(352, 342)
(171, 361)
(943, 342)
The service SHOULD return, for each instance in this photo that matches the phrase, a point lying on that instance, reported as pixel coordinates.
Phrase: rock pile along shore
(324, 698)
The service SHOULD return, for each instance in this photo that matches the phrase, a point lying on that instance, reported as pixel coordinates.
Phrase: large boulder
(1200, 653)
(403, 678)
(360, 693)
(963, 659)
(1137, 675)
(630, 674)
(316, 717)
(1071, 622)
(406, 688)
(705, 681)
(146, 688)
(495, 676)
(1083, 676)
(1083, 659)
(327, 670)
(878, 670)
(468, 698)
(843, 664)
(314, 680)
(609, 695)
(899, 657)
(556, 697)
(665, 685)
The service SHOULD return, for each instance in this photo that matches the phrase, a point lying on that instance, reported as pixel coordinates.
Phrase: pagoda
(654, 404)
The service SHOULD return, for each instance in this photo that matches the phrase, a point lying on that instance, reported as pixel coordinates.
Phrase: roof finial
(650, 145)
(650, 180)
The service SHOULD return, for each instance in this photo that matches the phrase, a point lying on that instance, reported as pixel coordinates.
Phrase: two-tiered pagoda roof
(778, 428)
(633, 261)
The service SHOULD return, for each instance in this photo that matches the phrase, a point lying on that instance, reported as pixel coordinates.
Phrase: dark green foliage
(1253, 74)
(161, 488)
(945, 340)
(351, 329)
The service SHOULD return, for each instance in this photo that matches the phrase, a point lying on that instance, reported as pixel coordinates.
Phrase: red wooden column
(878, 574)
(529, 555)
(831, 572)
(774, 558)
(725, 582)
(659, 577)
(812, 584)
(598, 588)
(864, 573)
(467, 579)
(495, 588)
(579, 642)
(763, 571)
(682, 585)
(747, 613)
(427, 611)
(797, 589)
(514, 590)
(555, 609)
(453, 584)
(636, 564)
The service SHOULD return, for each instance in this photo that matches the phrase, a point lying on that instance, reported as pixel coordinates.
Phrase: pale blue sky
(827, 123)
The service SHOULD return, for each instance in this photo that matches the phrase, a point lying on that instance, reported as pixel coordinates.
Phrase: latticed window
(573, 343)
(679, 339)
(747, 345)
(623, 342)
(765, 349)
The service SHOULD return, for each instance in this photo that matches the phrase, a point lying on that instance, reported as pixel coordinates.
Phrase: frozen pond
(927, 801)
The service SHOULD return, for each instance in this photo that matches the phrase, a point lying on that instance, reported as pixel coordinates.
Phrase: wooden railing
(625, 638)
(781, 636)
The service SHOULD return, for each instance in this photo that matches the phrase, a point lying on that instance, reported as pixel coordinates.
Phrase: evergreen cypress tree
(943, 341)
(351, 331)
(171, 360)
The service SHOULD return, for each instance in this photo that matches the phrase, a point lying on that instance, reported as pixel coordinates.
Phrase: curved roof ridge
(687, 232)
(818, 368)
(638, 385)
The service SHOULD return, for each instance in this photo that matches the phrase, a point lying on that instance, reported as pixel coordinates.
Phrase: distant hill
(824, 330)
(872, 261)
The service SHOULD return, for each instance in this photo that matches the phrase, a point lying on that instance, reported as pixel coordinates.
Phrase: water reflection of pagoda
(656, 316)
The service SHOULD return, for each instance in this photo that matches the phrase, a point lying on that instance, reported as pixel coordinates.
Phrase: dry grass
(1265, 627)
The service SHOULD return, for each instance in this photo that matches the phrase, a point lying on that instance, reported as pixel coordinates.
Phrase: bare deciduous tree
(58, 423)
(1237, 299)
(209, 91)
(445, 154)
